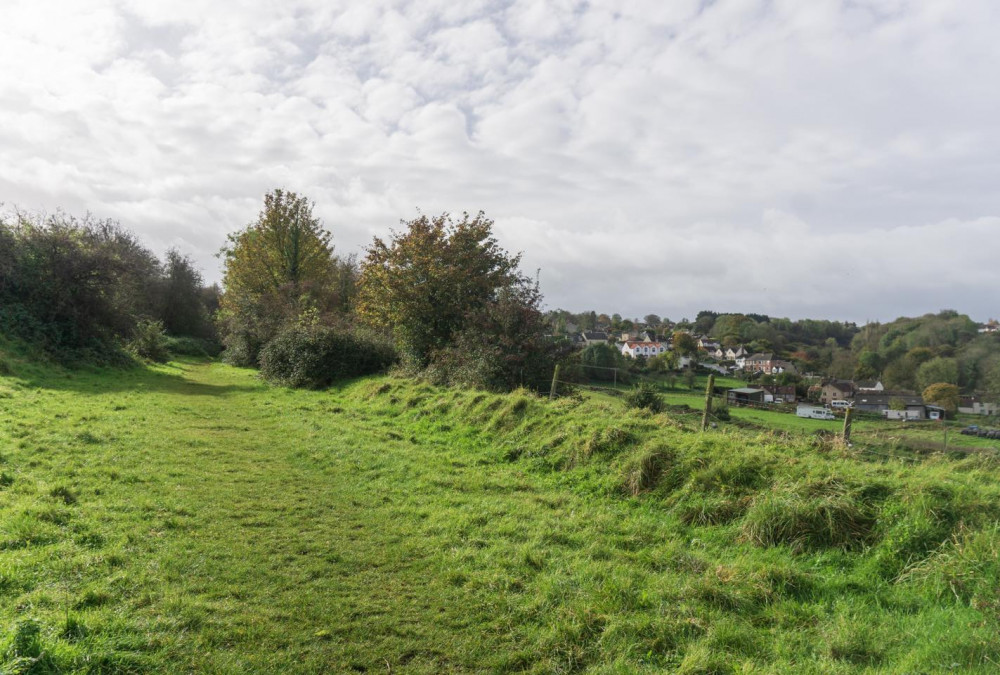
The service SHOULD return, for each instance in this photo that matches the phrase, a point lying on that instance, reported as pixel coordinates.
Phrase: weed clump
(966, 569)
(644, 471)
(711, 510)
(644, 396)
(64, 494)
(26, 652)
(808, 523)
(608, 441)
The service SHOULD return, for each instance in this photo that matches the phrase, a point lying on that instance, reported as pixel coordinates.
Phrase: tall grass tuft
(643, 472)
(787, 518)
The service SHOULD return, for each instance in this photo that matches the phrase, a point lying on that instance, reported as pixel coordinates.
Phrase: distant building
(836, 390)
(633, 349)
(594, 337)
(975, 405)
(870, 386)
(745, 396)
(776, 393)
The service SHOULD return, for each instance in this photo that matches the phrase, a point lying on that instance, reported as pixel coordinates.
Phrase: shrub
(317, 356)
(149, 341)
(644, 396)
(190, 346)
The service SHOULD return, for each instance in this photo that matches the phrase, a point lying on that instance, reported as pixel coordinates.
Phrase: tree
(991, 378)
(502, 345)
(652, 320)
(684, 344)
(70, 285)
(944, 395)
(936, 370)
(428, 278)
(276, 268)
(599, 361)
(183, 310)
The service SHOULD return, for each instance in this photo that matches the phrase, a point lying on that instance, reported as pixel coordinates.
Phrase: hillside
(187, 516)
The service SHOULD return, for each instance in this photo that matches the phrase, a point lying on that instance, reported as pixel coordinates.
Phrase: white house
(735, 354)
(633, 348)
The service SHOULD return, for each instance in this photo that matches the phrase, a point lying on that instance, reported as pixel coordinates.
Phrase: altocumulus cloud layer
(826, 158)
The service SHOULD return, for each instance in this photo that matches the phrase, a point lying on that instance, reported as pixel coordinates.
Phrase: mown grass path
(189, 518)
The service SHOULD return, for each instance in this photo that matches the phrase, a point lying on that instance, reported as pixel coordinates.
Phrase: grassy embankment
(188, 517)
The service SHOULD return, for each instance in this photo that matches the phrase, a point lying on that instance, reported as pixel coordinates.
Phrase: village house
(734, 354)
(635, 348)
(707, 344)
(975, 405)
(836, 390)
(870, 386)
(594, 337)
(776, 393)
(760, 363)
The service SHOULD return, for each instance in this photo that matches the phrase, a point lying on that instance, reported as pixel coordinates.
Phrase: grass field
(188, 518)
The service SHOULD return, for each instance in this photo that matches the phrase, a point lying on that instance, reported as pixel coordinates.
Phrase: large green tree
(278, 267)
(938, 369)
(429, 277)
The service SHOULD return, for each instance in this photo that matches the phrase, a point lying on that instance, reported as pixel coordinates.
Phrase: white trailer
(814, 412)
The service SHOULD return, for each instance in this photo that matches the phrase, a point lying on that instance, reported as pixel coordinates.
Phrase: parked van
(840, 405)
(814, 412)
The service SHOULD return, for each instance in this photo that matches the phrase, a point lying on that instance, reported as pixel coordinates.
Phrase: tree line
(439, 297)
(87, 289)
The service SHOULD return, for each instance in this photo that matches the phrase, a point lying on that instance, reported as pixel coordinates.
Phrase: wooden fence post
(709, 390)
(555, 383)
(847, 425)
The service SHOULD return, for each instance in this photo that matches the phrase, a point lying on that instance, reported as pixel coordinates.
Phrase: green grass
(188, 518)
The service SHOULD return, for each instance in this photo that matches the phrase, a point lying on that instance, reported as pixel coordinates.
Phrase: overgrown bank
(186, 516)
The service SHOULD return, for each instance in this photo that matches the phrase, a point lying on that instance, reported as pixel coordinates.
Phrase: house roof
(595, 335)
(766, 356)
(885, 398)
(842, 385)
(747, 390)
(777, 388)
(632, 344)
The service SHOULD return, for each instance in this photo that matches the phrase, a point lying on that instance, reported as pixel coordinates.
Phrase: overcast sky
(831, 158)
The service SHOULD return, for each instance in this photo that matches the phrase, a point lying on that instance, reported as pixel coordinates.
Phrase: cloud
(820, 159)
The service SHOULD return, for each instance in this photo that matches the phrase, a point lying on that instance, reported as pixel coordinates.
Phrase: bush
(644, 396)
(190, 346)
(317, 356)
(149, 341)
